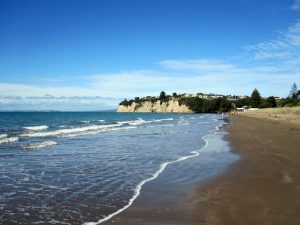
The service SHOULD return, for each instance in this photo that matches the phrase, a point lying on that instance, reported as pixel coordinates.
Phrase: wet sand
(263, 187)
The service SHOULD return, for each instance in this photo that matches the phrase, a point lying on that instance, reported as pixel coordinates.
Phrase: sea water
(77, 167)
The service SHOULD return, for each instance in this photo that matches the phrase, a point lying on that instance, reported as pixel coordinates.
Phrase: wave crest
(43, 127)
(71, 131)
(40, 145)
(8, 140)
(3, 136)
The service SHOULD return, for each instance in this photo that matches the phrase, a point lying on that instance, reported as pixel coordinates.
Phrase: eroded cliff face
(171, 106)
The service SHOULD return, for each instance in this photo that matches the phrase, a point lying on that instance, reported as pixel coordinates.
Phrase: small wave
(8, 140)
(160, 120)
(85, 121)
(71, 131)
(134, 122)
(138, 188)
(98, 131)
(101, 120)
(140, 121)
(43, 127)
(123, 128)
(168, 119)
(40, 145)
(183, 123)
(3, 136)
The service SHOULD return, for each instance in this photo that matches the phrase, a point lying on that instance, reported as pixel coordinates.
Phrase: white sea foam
(85, 121)
(134, 122)
(97, 131)
(3, 136)
(160, 120)
(70, 132)
(138, 188)
(168, 119)
(43, 127)
(140, 121)
(183, 123)
(40, 145)
(8, 140)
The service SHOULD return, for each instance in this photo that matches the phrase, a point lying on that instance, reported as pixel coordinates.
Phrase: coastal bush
(269, 102)
(293, 99)
(289, 102)
(163, 97)
(124, 102)
(199, 105)
(153, 100)
(242, 102)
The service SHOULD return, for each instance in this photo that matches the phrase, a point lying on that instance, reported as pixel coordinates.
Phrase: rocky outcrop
(171, 106)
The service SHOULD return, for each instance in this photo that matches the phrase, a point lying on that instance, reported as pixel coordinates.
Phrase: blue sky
(87, 55)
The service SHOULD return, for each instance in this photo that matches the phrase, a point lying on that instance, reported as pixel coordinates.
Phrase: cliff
(171, 106)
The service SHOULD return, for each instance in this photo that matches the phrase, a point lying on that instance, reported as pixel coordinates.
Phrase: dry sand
(263, 188)
(290, 116)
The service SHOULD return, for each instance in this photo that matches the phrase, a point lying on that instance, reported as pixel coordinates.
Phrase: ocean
(86, 167)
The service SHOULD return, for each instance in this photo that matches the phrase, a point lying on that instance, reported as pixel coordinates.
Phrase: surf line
(163, 166)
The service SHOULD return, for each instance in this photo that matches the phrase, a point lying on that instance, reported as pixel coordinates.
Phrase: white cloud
(193, 77)
(200, 65)
(57, 103)
(271, 66)
(284, 47)
(202, 75)
(31, 97)
(296, 5)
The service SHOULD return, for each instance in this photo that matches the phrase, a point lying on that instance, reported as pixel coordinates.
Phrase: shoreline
(154, 206)
(260, 188)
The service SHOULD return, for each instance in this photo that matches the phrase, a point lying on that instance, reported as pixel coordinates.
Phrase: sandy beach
(263, 187)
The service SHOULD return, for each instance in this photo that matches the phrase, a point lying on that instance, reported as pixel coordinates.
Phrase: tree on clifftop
(255, 98)
(294, 91)
(162, 96)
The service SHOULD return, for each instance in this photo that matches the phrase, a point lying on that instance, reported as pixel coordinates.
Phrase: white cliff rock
(171, 106)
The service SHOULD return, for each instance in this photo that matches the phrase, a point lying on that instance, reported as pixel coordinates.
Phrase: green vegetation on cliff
(196, 104)
(218, 104)
(199, 105)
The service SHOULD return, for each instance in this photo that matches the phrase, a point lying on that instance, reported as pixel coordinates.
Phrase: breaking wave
(72, 131)
(8, 140)
(43, 127)
(3, 136)
(40, 145)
